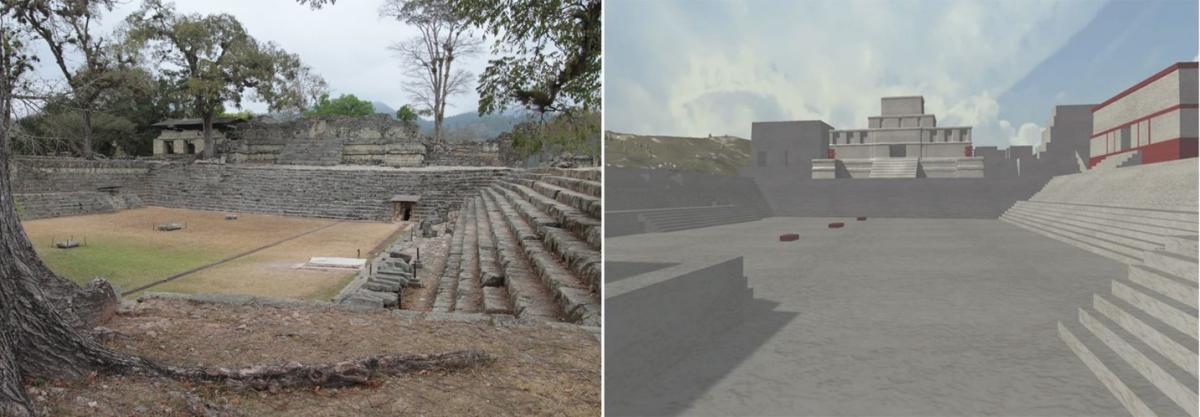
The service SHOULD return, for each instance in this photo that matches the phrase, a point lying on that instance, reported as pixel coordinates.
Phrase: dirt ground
(125, 248)
(538, 370)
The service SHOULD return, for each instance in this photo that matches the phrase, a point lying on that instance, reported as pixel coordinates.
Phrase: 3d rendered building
(902, 142)
(1153, 121)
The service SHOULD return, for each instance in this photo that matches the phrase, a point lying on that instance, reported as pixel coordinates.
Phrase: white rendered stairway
(1140, 339)
(894, 168)
(1124, 234)
(1115, 161)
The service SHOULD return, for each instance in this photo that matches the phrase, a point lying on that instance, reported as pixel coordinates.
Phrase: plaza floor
(897, 317)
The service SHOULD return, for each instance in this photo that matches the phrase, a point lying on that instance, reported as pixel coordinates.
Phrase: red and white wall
(1157, 118)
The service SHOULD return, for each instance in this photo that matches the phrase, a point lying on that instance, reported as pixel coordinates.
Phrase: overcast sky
(346, 43)
(695, 67)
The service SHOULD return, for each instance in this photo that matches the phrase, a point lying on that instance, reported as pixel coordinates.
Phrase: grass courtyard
(126, 249)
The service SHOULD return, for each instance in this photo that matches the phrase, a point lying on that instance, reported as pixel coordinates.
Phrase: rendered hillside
(722, 155)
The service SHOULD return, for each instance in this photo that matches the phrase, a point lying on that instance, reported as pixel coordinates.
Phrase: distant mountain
(469, 126)
(466, 126)
(381, 107)
(723, 155)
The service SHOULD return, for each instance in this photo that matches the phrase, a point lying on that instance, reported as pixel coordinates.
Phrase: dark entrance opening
(402, 206)
(191, 148)
(896, 151)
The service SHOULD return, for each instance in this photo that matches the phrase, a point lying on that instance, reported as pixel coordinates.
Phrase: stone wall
(476, 154)
(46, 205)
(343, 192)
(52, 174)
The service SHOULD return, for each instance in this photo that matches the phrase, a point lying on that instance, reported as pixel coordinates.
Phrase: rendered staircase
(528, 246)
(1115, 161)
(1124, 234)
(894, 168)
(1141, 339)
(322, 152)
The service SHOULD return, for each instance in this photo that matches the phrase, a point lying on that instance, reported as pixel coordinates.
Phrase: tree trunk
(87, 134)
(209, 149)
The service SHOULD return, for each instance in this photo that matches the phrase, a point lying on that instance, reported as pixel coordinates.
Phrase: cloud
(706, 66)
(1029, 134)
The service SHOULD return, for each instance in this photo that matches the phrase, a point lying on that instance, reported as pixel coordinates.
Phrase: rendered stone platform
(863, 320)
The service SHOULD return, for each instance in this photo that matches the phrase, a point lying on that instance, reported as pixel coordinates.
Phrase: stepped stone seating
(1139, 338)
(894, 168)
(674, 219)
(530, 246)
(323, 152)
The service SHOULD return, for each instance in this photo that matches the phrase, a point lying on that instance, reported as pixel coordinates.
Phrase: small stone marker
(167, 227)
(789, 237)
(836, 225)
(231, 217)
(70, 244)
(862, 219)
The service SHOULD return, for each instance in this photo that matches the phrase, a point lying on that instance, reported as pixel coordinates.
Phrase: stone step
(1179, 266)
(1142, 361)
(526, 294)
(590, 174)
(1172, 219)
(591, 188)
(1164, 283)
(1108, 377)
(1112, 234)
(1167, 342)
(1089, 243)
(1183, 245)
(673, 227)
(1174, 316)
(490, 274)
(587, 204)
(1153, 234)
(577, 254)
(445, 296)
(574, 298)
(1145, 220)
(495, 301)
(559, 214)
(470, 295)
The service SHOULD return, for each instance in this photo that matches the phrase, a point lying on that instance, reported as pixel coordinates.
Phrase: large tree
(67, 28)
(429, 58)
(547, 53)
(212, 56)
(44, 319)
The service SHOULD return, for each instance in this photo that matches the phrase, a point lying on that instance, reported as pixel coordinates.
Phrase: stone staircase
(319, 152)
(894, 168)
(1116, 161)
(1141, 340)
(1124, 234)
(670, 220)
(529, 246)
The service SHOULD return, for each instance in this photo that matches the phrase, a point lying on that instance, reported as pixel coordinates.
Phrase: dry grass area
(538, 371)
(125, 248)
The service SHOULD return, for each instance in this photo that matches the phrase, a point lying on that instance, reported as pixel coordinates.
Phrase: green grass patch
(126, 264)
(331, 291)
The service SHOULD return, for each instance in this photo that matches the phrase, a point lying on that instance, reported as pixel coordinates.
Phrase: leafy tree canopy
(344, 105)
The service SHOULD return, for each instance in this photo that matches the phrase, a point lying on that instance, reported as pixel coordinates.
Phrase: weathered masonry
(51, 187)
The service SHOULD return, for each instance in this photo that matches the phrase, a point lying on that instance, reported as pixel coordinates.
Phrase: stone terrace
(529, 245)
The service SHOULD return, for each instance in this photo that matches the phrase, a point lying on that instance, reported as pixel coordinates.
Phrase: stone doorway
(896, 151)
(403, 206)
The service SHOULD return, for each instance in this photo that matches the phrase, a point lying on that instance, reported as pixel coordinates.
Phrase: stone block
(837, 225)
(861, 219)
(168, 227)
(789, 237)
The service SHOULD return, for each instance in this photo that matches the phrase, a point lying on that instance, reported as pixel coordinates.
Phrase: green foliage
(721, 155)
(344, 105)
(406, 114)
(127, 263)
(577, 132)
(525, 71)
(242, 115)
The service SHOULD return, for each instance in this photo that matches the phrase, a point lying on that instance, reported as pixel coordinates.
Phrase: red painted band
(1147, 117)
(1153, 78)
(1161, 151)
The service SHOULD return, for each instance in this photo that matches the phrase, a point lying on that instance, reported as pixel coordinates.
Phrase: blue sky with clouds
(695, 67)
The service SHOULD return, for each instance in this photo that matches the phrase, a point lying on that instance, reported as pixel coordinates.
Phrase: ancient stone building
(902, 142)
(182, 137)
(1152, 121)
